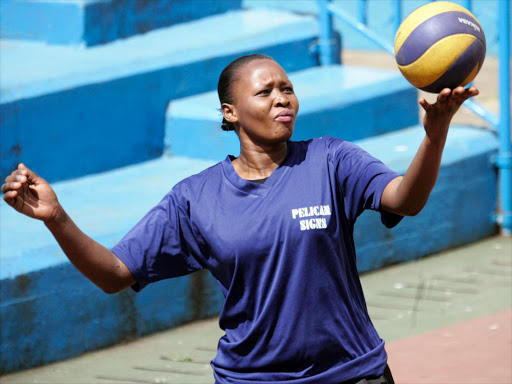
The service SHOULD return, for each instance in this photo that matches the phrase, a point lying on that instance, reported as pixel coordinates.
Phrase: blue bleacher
(94, 22)
(332, 101)
(72, 94)
(100, 109)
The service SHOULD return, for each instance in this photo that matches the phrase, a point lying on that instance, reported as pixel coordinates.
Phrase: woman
(273, 226)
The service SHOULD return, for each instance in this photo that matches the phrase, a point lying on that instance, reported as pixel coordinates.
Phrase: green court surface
(404, 300)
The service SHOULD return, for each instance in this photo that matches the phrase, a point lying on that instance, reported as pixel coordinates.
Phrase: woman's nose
(281, 99)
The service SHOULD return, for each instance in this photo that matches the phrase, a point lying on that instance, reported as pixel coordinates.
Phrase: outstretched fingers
(425, 104)
(459, 94)
(444, 95)
(449, 99)
(467, 93)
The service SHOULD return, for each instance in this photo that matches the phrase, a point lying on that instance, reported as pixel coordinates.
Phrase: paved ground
(446, 320)
(476, 351)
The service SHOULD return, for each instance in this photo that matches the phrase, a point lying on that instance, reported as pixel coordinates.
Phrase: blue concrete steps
(460, 209)
(347, 102)
(61, 314)
(93, 22)
(104, 107)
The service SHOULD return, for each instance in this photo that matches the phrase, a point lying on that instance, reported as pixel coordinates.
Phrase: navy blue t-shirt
(284, 256)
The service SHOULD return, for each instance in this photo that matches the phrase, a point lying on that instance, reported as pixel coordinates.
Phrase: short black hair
(226, 79)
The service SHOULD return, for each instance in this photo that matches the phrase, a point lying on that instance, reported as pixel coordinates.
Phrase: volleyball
(440, 45)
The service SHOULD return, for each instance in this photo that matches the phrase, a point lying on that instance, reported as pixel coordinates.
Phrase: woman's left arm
(407, 195)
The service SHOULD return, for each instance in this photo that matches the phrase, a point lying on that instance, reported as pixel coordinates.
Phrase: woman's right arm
(32, 196)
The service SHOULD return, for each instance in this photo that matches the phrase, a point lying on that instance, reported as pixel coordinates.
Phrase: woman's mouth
(285, 116)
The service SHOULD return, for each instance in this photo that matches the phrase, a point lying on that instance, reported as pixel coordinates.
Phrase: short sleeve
(161, 245)
(362, 179)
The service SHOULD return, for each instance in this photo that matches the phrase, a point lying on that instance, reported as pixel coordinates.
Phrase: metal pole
(361, 8)
(361, 28)
(397, 15)
(504, 160)
(467, 5)
(325, 40)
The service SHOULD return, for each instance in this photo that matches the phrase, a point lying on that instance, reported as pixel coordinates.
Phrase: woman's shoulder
(198, 183)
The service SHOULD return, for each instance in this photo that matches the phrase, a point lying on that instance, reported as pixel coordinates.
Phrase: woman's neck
(256, 162)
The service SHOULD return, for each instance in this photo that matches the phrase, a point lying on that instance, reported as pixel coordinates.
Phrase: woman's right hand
(31, 195)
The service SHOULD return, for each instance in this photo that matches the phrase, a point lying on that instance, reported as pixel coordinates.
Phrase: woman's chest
(299, 211)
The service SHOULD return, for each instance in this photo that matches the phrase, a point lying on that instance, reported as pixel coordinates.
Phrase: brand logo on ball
(470, 23)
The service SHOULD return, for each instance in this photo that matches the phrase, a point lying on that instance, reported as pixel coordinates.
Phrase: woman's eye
(289, 89)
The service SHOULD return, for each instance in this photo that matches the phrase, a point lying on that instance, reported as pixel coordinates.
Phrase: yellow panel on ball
(440, 45)
(422, 14)
(471, 76)
(436, 60)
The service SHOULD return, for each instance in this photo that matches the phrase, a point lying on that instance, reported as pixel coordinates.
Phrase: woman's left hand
(438, 115)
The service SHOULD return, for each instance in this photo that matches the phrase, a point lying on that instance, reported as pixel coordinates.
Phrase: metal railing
(501, 124)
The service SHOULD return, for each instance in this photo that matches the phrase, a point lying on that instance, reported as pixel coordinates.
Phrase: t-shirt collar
(256, 188)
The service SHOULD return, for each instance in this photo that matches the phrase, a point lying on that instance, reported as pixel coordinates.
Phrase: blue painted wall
(93, 22)
(119, 121)
(60, 314)
(50, 21)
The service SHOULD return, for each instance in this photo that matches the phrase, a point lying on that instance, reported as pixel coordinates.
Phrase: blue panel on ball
(460, 69)
(434, 29)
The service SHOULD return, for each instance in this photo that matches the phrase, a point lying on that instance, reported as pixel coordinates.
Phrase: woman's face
(264, 104)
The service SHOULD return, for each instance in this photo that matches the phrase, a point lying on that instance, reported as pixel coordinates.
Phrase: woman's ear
(229, 112)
